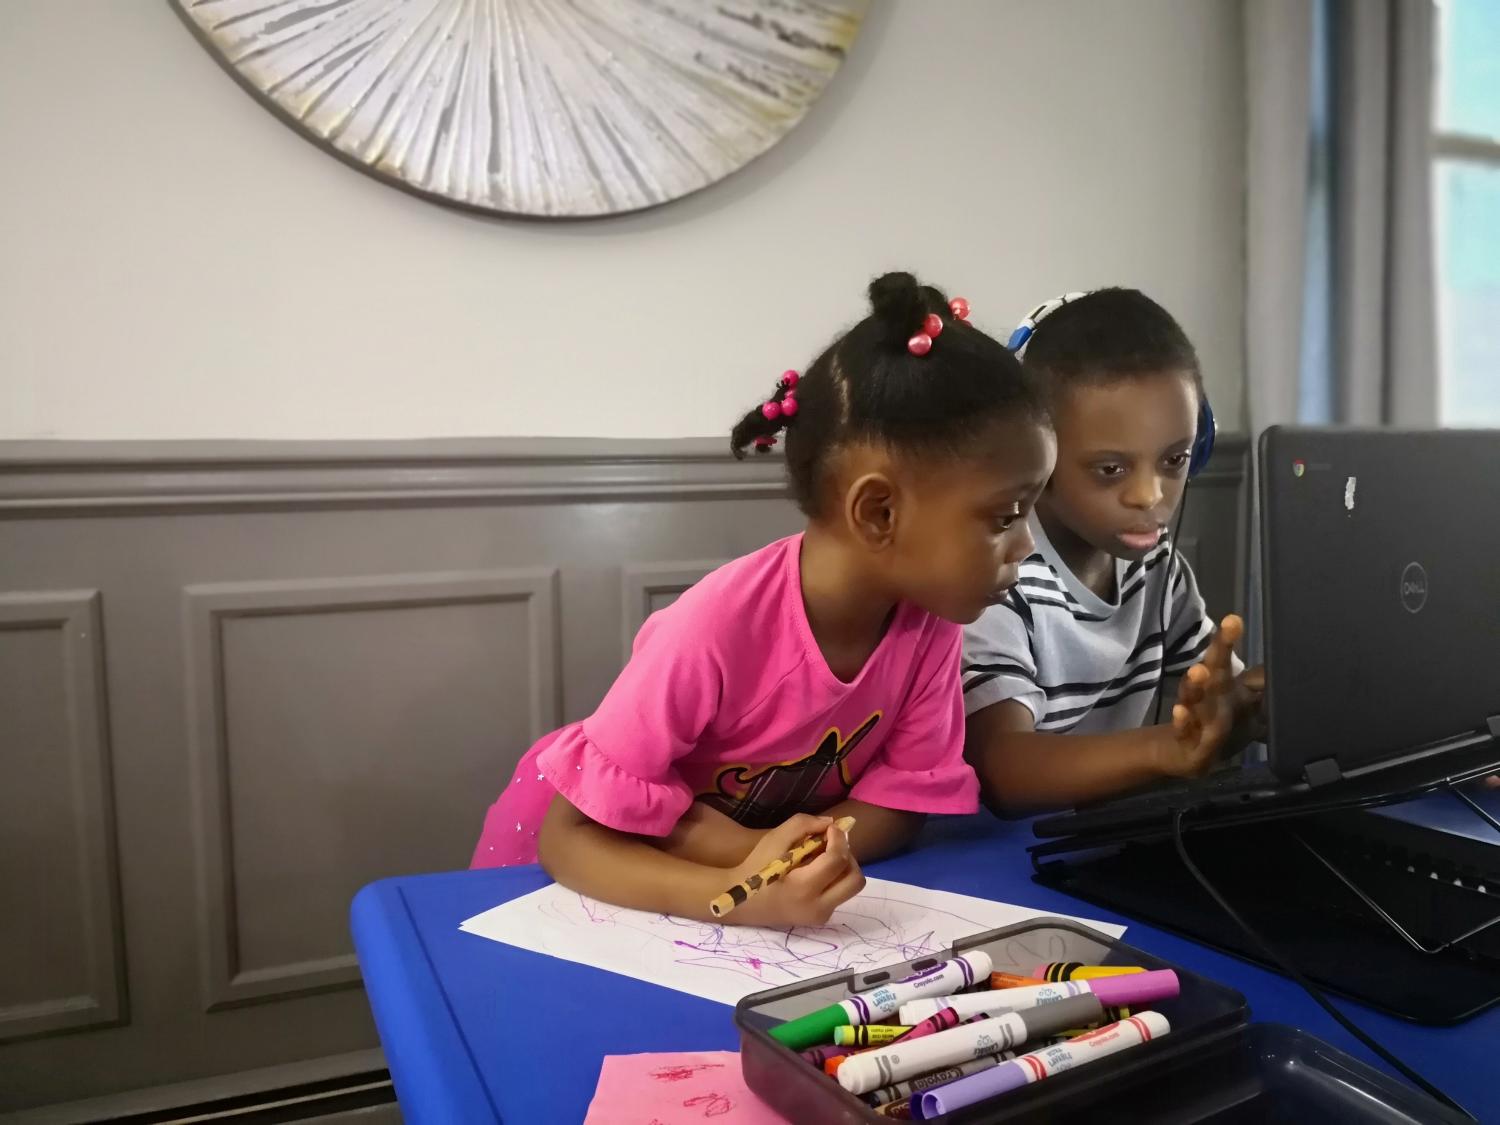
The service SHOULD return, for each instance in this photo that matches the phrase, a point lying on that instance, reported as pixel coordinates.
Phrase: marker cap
(812, 1029)
(1136, 990)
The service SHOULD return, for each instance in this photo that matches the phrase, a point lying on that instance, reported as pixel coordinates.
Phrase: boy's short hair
(1109, 334)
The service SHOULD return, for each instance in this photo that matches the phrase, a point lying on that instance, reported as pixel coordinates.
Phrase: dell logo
(1413, 587)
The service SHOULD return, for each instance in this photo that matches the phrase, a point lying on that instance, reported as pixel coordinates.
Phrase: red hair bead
(788, 406)
(789, 379)
(932, 326)
(920, 344)
(771, 411)
(960, 308)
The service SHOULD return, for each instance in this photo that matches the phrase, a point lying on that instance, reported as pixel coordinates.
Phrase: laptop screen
(1381, 580)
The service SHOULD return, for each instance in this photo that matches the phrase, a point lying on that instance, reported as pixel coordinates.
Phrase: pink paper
(676, 1089)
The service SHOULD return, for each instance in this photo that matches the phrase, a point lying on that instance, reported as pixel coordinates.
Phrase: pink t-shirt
(727, 699)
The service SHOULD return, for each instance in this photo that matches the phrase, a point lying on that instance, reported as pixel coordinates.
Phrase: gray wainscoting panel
(315, 710)
(237, 681)
(62, 966)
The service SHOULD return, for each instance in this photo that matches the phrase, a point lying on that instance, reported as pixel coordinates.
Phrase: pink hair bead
(932, 326)
(960, 308)
(788, 406)
(920, 344)
(771, 411)
(789, 379)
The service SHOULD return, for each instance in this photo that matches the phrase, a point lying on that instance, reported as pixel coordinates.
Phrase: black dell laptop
(1381, 584)
(1381, 591)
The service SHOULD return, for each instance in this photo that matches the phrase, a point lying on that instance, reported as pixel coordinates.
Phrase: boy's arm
(1021, 770)
(878, 831)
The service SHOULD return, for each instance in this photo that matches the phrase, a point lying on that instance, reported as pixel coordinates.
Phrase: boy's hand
(1249, 702)
(1206, 705)
(806, 895)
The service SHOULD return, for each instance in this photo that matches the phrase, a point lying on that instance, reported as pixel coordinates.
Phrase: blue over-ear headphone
(1203, 440)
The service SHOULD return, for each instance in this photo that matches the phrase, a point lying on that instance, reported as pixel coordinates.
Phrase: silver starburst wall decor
(551, 108)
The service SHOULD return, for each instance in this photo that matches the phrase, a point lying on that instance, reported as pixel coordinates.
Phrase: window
(1466, 193)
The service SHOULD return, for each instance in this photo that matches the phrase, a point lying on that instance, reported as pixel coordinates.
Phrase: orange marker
(1012, 980)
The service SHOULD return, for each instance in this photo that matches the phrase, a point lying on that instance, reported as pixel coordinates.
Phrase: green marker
(817, 1028)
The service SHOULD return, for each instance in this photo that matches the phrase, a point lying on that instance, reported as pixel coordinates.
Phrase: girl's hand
(1206, 706)
(806, 895)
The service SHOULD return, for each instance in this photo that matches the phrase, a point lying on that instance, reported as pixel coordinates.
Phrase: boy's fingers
(1191, 688)
(1231, 629)
(1254, 679)
(1183, 723)
(1222, 682)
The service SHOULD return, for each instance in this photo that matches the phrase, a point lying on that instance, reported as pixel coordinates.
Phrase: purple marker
(1036, 1065)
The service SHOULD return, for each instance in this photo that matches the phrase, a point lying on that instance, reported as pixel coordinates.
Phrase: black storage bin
(1214, 1066)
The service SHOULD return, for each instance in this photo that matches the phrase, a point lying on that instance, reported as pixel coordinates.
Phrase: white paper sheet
(885, 924)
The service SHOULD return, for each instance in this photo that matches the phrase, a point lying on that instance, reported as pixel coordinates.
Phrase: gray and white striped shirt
(1081, 664)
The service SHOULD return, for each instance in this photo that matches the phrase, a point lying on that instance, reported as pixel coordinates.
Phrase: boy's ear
(870, 508)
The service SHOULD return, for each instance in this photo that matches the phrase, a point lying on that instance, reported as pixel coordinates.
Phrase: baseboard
(354, 1087)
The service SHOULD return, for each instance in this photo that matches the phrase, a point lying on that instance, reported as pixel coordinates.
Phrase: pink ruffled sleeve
(921, 766)
(618, 766)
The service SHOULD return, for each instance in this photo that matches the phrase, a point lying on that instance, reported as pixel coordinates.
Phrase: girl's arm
(704, 835)
(587, 857)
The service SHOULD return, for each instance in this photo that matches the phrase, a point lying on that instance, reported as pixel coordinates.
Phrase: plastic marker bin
(1215, 1066)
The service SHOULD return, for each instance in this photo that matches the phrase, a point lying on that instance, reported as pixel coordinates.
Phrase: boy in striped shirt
(1060, 677)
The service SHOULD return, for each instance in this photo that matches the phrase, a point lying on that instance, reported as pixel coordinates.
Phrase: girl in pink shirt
(819, 676)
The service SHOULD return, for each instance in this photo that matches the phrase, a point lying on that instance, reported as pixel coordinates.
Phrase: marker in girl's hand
(808, 849)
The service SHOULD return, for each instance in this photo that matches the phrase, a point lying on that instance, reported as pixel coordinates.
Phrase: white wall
(176, 263)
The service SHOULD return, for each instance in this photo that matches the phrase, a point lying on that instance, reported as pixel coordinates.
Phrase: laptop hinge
(1322, 772)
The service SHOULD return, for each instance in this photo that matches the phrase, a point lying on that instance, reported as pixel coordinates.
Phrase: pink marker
(1138, 990)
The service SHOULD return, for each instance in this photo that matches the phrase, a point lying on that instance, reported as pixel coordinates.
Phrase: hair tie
(932, 327)
(781, 406)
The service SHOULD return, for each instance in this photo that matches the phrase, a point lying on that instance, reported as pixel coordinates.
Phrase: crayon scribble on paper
(886, 924)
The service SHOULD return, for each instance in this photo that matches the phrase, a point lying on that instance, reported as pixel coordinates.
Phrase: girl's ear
(870, 510)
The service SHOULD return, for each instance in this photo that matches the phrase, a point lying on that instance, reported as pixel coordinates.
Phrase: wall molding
(205, 608)
(72, 478)
(67, 478)
(76, 615)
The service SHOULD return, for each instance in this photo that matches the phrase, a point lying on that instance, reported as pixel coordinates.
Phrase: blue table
(475, 1031)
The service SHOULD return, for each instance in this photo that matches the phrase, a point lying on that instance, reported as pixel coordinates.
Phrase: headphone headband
(1208, 428)
(1022, 335)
